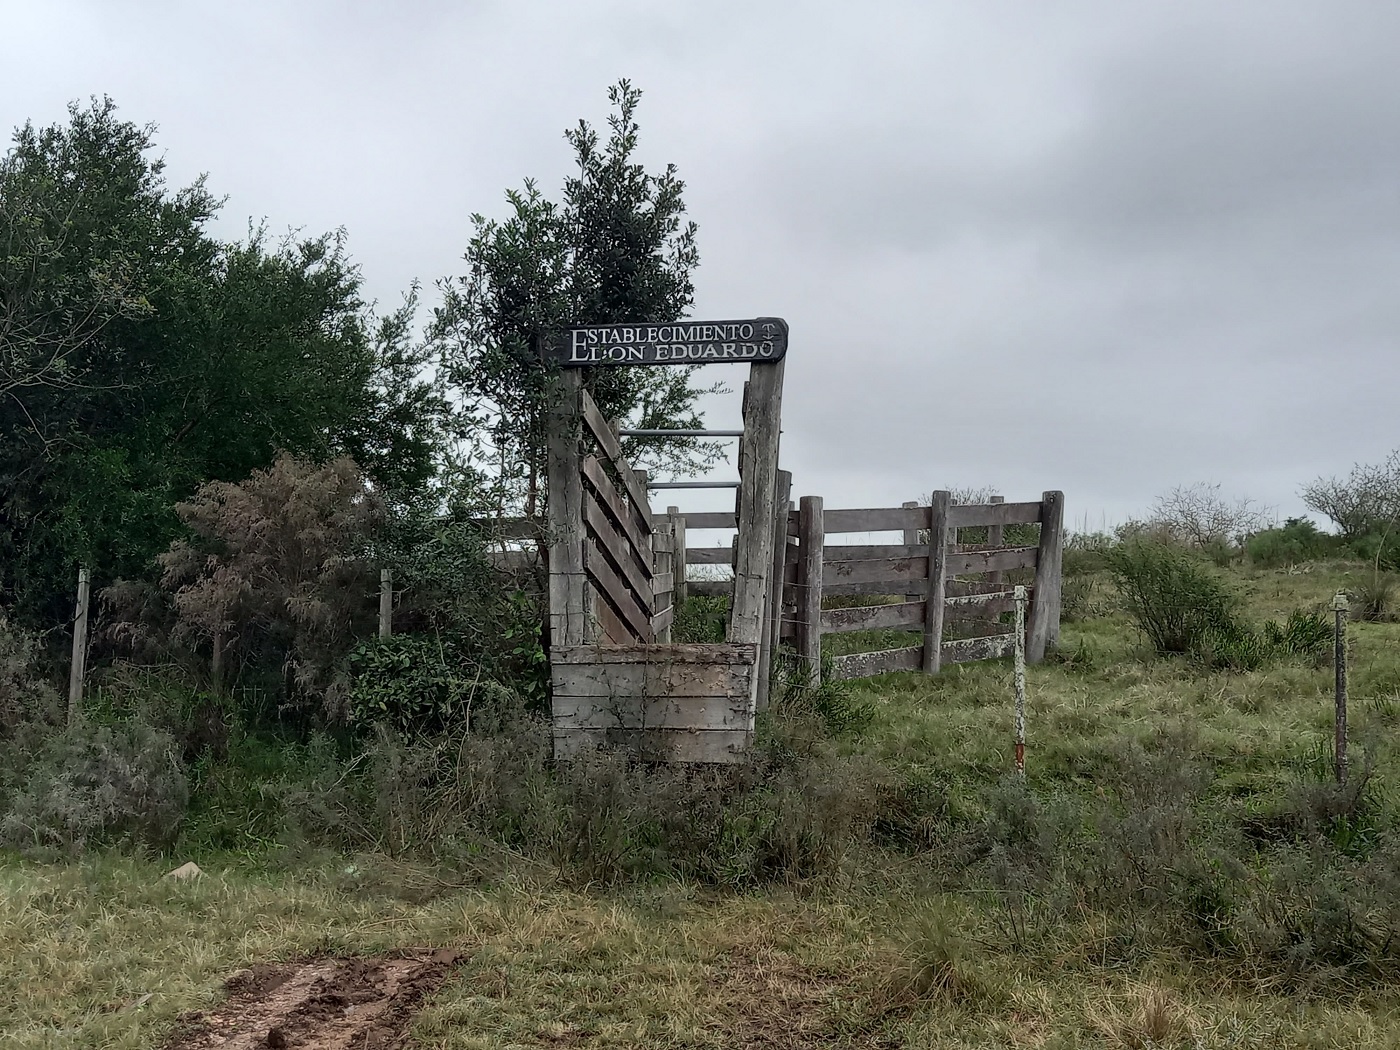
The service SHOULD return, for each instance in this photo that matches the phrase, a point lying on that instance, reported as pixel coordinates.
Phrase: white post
(1020, 680)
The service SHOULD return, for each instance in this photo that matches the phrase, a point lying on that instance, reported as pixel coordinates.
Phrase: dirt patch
(318, 1004)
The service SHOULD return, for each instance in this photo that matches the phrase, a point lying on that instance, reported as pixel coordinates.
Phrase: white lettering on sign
(680, 342)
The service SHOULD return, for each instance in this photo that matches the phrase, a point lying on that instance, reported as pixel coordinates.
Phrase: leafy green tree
(618, 247)
(141, 357)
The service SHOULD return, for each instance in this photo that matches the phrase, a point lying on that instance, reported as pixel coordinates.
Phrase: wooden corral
(613, 583)
(969, 595)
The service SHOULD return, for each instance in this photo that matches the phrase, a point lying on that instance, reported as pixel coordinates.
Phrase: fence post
(569, 608)
(677, 555)
(935, 606)
(811, 530)
(386, 603)
(1045, 609)
(1020, 680)
(996, 535)
(911, 539)
(79, 661)
(773, 619)
(758, 477)
(1340, 606)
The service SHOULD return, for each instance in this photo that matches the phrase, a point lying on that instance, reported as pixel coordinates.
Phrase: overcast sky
(1104, 247)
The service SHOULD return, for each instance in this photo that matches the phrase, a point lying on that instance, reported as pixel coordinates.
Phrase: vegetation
(1178, 862)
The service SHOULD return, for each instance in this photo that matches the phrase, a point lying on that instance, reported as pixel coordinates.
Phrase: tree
(1200, 515)
(618, 248)
(141, 357)
(1366, 500)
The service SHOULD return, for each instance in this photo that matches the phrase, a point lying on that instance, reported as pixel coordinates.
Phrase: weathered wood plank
(987, 561)
(996, 535)
(884, 519)
(963, 588)
(678, 527)
(684, 653)
(865, 551)
(618, 506)
(632, 680)
(867, 665)
(626, 560)
(969, 650)
(624, 601)
(890, 572)
(610, 628)
(608, 443)
(937, 575)
(661, 622)
(977, 607)
(663, 583)
(651, 712)
(873, 617)
(1044, 629)
(569, 604)
(810, 584)
(897, 589)
(911, 543)
(708, 519)
(716, 746)
(758, 474)
(973, 514)
(709, 556)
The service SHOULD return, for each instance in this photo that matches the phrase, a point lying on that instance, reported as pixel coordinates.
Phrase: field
(969, 913)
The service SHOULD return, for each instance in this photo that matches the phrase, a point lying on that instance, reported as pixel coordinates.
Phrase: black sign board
(761, 339)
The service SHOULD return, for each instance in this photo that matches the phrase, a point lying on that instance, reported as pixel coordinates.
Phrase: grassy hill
(1177, 870)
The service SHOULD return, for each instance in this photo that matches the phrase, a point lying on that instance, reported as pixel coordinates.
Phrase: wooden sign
(759, 340)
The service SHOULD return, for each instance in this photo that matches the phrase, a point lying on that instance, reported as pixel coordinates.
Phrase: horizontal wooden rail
(884, 571)
(970, 650)
(989, 561)
(873, 617)
(883, 661)
(706, 519)
(885, 519)
(971, 515)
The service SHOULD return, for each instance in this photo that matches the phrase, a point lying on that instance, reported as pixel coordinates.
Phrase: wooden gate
(616, 678)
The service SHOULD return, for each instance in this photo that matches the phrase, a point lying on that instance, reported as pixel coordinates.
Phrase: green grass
(880, 953)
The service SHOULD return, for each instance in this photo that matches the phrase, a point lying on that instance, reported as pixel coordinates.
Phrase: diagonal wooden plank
(603, 434)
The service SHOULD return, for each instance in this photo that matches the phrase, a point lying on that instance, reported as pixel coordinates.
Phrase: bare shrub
(1365, 500)
(1201, 516)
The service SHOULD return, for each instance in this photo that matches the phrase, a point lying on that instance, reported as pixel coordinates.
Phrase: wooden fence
(968, 598)
(930, 571)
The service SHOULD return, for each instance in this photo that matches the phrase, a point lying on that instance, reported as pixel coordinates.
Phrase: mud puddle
(318, 1004)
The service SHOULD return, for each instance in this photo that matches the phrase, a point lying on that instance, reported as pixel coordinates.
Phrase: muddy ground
(318, 1004)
